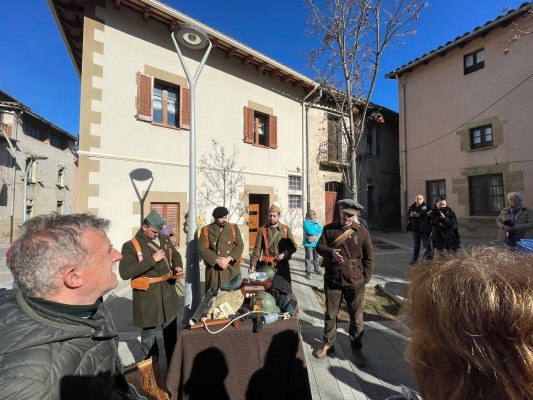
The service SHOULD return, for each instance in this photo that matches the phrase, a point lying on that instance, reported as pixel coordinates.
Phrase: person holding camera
(514, 221)
(444, 234)
(418, 225)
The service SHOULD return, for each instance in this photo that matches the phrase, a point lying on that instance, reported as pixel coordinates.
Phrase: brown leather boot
(323, 352)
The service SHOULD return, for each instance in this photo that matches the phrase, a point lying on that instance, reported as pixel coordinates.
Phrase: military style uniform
(220, 242)
(158, 305)
(346, 280)
(278, 242)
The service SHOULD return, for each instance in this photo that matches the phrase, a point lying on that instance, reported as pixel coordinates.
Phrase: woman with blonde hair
(472, 317)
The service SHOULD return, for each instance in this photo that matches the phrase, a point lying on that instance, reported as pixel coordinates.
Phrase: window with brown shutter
(162, 103)
(260, 128)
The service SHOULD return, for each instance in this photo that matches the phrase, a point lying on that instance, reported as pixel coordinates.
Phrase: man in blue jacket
(312, 231)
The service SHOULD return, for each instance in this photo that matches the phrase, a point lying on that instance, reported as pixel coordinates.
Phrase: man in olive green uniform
(220, 246)
(151, 254)
(277, 250)
(348, 259)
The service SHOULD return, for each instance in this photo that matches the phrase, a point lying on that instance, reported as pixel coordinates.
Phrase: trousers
(354, 297)
(311, 256)
(149, 346)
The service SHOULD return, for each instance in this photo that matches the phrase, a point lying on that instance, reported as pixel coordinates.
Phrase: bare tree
(223, 179)
(352, 36)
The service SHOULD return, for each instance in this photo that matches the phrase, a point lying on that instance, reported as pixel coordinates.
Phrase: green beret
(155, 220)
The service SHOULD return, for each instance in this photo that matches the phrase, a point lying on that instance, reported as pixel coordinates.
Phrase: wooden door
(171, 213)
(330, 203)
(253, 224)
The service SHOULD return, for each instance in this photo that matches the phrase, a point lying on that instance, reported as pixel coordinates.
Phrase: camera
(435, 213)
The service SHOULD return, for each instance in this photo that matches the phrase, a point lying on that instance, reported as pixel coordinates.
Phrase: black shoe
(413, 262)
(318, 272)
(359, 359)
(308, 275)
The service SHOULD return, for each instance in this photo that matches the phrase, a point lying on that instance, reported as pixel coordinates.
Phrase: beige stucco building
(45, 150)
(465, 122)
(134, 121)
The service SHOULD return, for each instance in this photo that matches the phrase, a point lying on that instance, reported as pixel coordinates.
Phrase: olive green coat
(159, 303)
(277, 244)
(221, 244)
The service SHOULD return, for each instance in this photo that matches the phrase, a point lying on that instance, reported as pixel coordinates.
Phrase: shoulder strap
(206, 236)
(264, 230)
(284, 231)
(232, 227)
(137, 247)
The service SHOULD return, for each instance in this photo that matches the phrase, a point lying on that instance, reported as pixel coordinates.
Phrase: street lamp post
(26, 168)
(195, 38)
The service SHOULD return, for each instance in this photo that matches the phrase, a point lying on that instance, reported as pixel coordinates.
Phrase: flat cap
(155, 220)
(350, 206)
(220, 212)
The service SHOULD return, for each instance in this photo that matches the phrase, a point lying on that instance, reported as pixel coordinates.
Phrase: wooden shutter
(144, 97)
(171, 213)
(273, 131)
(185, 108)
(248, 125)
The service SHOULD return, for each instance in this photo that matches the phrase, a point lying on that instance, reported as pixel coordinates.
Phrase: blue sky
(36, 69)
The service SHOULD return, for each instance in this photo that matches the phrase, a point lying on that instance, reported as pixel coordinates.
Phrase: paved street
(335, 377)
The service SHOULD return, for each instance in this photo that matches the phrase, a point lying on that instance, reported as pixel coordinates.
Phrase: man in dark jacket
(150, 257)
(418, 225)
(348, 259)
(220, 246)
(57, 338)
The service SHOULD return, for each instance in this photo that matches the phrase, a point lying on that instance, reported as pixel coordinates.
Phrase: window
(34, 131)
(58, 141)
(260, 129)
(481, 137)
(474, 61)
(295, 201)
(32, 171)
(295, 182)
(61, 177)
(435, 189)
(335, 150)
(332, 187)
(163, 103)
(371, 148)
(486, 194)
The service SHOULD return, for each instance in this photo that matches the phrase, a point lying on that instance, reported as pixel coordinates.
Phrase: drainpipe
(305, 139)
(16, 124)
(404, 123)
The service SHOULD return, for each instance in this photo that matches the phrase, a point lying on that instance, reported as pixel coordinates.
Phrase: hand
(337, 256)
(178, 270)
(159, 255)
(280, 257)
(312, 239)
(222, 262)
(507, 228)
(251, 270)
(441, 214)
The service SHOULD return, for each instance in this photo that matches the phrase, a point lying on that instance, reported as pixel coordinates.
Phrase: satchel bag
(180, 288)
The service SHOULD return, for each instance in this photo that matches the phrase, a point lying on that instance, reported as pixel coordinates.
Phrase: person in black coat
(445, 236)
(418, 225)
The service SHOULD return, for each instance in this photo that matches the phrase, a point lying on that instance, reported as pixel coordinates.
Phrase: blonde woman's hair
(472, 317)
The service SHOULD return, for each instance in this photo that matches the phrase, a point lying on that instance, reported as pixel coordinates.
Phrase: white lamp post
(26, 168)
(195, 38)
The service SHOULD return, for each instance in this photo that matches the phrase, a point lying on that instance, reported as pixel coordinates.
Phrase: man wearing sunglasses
(149, 259)
(348, 260)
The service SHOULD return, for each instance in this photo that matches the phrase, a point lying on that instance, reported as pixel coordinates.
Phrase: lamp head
(191, 36)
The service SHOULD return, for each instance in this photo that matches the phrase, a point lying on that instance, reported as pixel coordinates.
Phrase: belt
(143, 282)
(270, 260)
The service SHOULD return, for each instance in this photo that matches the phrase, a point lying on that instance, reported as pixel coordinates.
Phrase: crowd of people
(471, 330)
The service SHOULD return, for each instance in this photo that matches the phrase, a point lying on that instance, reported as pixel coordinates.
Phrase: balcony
(332, 154)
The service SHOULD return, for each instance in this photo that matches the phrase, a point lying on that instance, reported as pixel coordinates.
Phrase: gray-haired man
(57, 337)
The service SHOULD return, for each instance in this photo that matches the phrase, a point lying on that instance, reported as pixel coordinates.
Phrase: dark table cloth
(239, 364)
